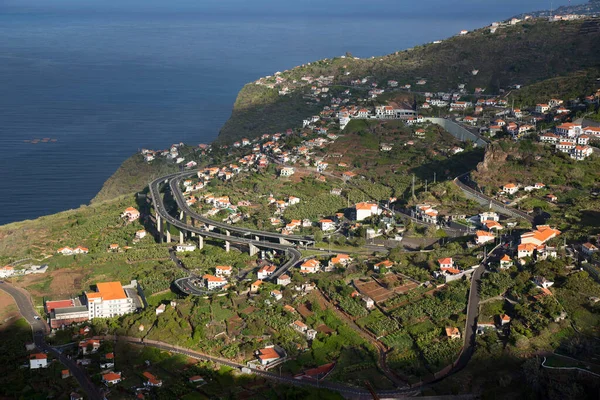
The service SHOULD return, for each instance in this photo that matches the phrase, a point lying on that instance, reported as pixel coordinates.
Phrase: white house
(276, 294)
(369, 303)
(542, 282)
(588, 249)
(265, 271)
(505, 262)
(327, 224)
(310, 266)
(185, 247)
(483, 237)
(111, 378)
(223, 270)
(286, 171)
(214, 282)
(38, 360)
(340, 259)
(268, 355)
(365, 210)
(489, 216)
(581, 152)
(510, 188)
(284, 280)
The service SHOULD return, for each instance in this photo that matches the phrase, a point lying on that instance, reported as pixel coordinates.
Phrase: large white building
(366, 210)
(109, 301)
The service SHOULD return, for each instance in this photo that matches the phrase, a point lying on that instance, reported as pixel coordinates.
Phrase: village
(395, 250)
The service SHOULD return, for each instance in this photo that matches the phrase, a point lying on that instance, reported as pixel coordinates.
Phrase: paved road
(292, 252)
(470, 332)
(346, 390)
(40, 329)
(506, 210)
(180, 199)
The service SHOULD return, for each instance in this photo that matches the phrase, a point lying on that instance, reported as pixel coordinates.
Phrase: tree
(318, 235)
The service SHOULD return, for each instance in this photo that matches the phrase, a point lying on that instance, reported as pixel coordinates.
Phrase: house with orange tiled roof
(265, 271)
(505, 262)
(510, 188)
(111, 300)
(452, 332)
(256, 286)
(526, 250)
(541, 235)
(213, 282)
(504, 319)
(365, 210)
(340, 259)
(268, 355)
(310, 266)
(447, 267)
(66, 251)
(130, 214)
(81, 250)
(6, 271)
(284, 280)
(492, 226)
(383, 264)
(38, 360)
(111, 378)
(327, 224)
(89, 346)
(588, 249)
(151, 380)
(483, 237)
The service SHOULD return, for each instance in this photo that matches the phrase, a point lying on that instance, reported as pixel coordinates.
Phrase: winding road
(39, 330)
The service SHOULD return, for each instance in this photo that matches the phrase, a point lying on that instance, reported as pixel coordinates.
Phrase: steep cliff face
(494, 157)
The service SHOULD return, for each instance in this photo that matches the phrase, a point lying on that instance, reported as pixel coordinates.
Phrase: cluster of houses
(8, 271)
(173, 153)
(69, 251)
(572, 139)
(312, 266)
(534, 243)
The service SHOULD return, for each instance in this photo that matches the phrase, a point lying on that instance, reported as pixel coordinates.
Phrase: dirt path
(382, 350)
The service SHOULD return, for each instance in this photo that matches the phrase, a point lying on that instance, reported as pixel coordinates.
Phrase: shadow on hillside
(449, 168)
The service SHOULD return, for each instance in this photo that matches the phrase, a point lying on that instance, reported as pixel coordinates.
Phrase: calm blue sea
(106, 78)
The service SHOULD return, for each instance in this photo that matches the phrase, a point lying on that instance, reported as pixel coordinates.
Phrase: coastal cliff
(529, 53)
(525, 53)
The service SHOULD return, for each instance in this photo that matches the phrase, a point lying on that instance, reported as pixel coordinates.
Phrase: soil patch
(8, 310)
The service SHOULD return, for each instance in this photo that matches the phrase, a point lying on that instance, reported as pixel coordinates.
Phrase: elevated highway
(201, 232)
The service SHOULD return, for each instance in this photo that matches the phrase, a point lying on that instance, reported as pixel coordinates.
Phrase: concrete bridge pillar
(257, 238)
(181, 237)
(227, 233)
(253, 249)
(168, 226)
(227, 245)
(283, 241)
(159, 227)
(200, 242)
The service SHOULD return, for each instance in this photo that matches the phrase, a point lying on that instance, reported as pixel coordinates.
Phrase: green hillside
(522, 54)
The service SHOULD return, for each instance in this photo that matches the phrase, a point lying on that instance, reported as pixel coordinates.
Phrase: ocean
(102, 80)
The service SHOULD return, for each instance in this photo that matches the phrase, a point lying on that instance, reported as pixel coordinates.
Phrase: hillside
(565, 87)
(132, 176)
(521, 54)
